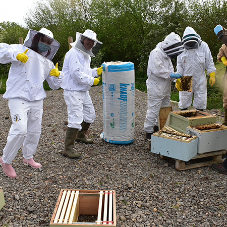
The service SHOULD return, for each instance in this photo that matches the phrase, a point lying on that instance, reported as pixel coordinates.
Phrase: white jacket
(159, 70)
(25, 80)
(195, 62)
(78, 76)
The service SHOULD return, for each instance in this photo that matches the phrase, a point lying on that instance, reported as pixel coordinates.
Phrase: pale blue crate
(181, 150)
(210, 140)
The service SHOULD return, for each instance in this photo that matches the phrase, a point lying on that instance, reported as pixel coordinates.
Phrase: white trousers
(154, 106)
(199, 102)
(25, 129)
(80, 108)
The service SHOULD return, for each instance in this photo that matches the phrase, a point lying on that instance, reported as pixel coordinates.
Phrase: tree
(10, 32)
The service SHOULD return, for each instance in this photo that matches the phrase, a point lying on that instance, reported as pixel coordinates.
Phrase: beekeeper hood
(42, 42)
(190, 40)
(79, 43)
(172, 45)
(221, 33)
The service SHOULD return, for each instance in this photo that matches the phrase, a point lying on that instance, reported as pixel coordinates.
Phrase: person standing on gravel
(194, 61)
(222, 57)
(160, 72)
(78, 79)
(30, 65)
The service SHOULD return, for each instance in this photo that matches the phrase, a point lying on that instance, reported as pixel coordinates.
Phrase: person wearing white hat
(30, 65)
(194, 61)
(78, 79)
(160, 73)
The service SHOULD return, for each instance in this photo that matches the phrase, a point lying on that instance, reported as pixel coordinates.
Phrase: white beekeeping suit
(160, 71)
(25, 93)
(79, 77)
(195, 59)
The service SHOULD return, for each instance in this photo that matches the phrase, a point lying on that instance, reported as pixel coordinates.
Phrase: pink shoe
(32, 163)
(8, 170)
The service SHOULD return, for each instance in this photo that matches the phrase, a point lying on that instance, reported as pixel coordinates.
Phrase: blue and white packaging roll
(118, 84)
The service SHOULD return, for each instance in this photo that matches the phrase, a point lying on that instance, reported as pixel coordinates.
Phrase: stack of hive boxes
(190, 132)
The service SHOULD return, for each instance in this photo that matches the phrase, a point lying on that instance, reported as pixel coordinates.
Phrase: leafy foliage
(129, 29)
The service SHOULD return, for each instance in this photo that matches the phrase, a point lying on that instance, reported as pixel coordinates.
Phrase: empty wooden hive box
(85, 208)
(180, 120)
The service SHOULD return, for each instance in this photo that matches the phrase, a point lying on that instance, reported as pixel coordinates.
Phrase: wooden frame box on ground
(173, 144)
(85, 208)
(2, 200)
(180, 120)
(212, 137)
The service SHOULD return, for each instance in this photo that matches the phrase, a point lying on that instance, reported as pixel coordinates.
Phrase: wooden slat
(74, 207)
(100, 208)
(110, 219)
(105, 208)
(69, 207)
(61, 219)
(60, 207)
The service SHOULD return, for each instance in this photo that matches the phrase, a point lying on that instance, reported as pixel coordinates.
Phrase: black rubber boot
(81, 134)
(148, 136)
(156, 129)
(69, 143)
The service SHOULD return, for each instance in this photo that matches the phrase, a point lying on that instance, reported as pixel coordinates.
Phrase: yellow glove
(55, 72)
(224, 60)
(96, 81)
(99, 70)
(23, 57)
(212, 79)
(178, 85)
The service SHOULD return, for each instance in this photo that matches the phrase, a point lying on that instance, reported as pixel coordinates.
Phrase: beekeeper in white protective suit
(79, 78)
(193, 62)
(160, 73)
(30, 65)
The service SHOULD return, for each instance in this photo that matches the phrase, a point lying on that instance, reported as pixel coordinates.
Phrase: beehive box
(182, 147)
(211, 137)
(85, 208)
(163, 116)
(180, 120)
(2, 200)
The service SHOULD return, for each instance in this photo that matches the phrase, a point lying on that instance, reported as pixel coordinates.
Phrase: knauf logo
(123, 106)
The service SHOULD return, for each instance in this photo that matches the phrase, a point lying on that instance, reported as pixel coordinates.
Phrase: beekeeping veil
(172, 45)
(33, 38)
(221, 33)
(78, 44)
(191, 40)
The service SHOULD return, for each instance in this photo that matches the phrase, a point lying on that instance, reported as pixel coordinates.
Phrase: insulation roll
(118, 83)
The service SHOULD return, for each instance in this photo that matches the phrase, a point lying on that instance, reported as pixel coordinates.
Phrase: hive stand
(217, 158)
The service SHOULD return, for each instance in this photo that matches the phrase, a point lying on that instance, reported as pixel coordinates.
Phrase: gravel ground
(149, 190)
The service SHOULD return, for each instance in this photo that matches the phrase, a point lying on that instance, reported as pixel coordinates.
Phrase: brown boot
(81, 134)
(69, 143)
(225, 119)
